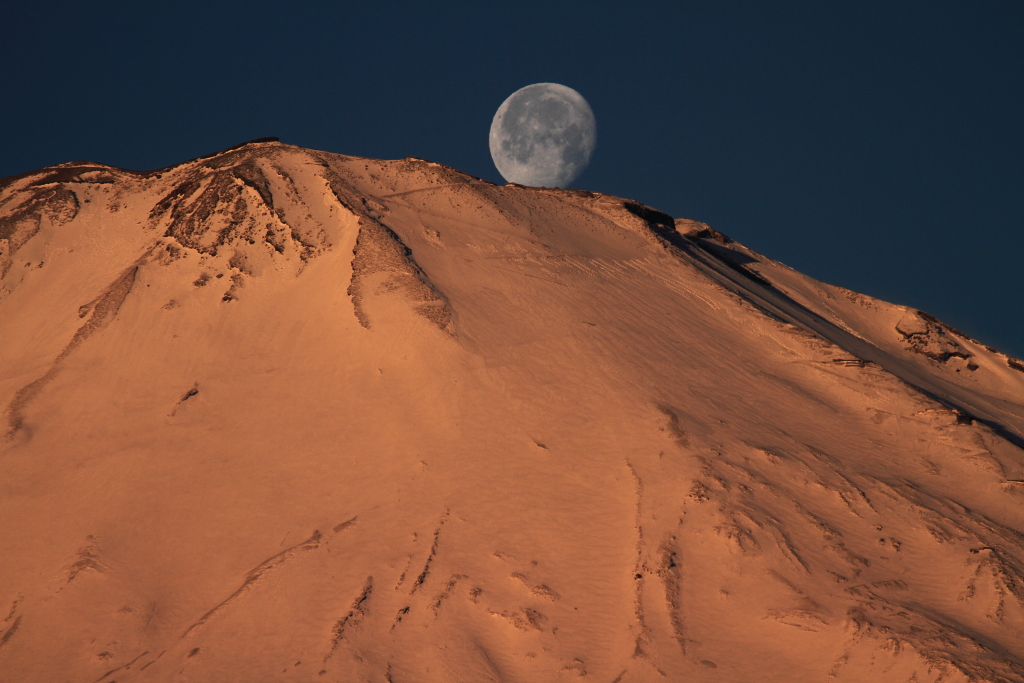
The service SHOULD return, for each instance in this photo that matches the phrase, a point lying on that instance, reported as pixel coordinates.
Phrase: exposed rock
(929, 338)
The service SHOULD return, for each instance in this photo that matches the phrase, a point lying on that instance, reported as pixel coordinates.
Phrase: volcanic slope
(283, 415)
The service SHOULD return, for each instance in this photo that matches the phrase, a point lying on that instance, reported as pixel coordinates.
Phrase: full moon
(543, 135)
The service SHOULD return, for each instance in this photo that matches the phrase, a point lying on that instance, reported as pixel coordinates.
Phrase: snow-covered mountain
(277, 414)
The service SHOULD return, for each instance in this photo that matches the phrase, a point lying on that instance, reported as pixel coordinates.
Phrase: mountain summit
(283, 415)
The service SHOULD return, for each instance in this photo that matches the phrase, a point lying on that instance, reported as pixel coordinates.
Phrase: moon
(543, 135)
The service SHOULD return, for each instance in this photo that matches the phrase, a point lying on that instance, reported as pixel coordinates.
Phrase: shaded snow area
(283, 415)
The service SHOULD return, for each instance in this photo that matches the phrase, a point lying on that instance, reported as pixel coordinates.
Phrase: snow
(519, 435)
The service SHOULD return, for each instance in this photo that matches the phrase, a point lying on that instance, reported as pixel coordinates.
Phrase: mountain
(277, 414)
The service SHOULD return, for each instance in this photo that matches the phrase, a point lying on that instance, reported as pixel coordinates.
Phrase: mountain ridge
(529, 434)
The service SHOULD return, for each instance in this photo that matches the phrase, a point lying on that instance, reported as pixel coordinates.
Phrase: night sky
(873, 145)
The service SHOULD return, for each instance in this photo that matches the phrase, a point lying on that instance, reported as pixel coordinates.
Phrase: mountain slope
(279, 414)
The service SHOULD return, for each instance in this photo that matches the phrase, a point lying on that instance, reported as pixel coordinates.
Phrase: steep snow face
(278, 414)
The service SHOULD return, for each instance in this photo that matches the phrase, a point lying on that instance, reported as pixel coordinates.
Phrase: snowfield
(284, 415)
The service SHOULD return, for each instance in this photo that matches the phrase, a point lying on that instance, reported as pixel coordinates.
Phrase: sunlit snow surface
(280, 414)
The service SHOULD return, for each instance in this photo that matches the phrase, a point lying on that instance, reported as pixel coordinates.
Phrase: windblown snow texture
(279, 414)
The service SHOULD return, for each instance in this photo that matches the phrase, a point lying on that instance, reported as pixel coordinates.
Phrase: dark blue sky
(874, 145)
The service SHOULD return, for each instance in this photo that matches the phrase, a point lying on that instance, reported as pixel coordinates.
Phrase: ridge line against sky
(872, 146)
